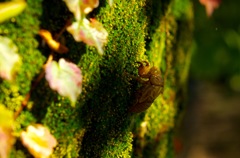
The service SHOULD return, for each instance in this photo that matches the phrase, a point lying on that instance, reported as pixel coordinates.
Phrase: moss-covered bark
(99, 125)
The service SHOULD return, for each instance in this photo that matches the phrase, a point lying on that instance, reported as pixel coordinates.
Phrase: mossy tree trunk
(99, 126)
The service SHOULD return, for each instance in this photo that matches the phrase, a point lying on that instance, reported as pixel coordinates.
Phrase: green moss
(182, 9)
(169, 50)
(99, 125)
(18, 153)
(111, 95)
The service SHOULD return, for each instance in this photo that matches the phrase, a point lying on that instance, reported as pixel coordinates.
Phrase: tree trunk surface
(100, 125)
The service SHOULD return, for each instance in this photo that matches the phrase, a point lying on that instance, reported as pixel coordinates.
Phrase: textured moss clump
(99, 125)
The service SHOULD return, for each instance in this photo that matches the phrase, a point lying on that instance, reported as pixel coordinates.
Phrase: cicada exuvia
(152, 87)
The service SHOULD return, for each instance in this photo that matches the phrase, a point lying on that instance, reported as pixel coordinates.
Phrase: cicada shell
(150, 89)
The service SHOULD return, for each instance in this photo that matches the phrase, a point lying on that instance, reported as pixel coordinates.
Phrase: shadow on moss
(105, 113)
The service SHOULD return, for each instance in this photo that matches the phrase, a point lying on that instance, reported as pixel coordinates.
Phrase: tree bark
(157, 31)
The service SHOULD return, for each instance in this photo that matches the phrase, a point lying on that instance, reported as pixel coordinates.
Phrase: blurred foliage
(217, 39)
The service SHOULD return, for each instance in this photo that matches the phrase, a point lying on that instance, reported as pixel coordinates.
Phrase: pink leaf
(81, 7)
(10, 61)
(73, 6)
(91, 33)
(65, 78)
(38, 140)
(88, 5)
(210, 5)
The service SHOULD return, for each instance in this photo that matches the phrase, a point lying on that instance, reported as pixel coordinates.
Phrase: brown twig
(33, 86)
(40, 76)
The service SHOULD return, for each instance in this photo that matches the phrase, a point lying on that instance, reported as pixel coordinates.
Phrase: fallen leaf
(10, 61)
(39, 141)
(11, 9)
(80, 8)
(53, 44)
(65, 78)
(91, 33)
(210, 5)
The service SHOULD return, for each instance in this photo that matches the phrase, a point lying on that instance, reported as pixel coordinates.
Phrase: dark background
(211, 124)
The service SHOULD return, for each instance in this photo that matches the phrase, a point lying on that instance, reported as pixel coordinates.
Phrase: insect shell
(150, 89)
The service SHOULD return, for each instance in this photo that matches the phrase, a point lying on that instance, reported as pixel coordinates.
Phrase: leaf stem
(41, 75)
